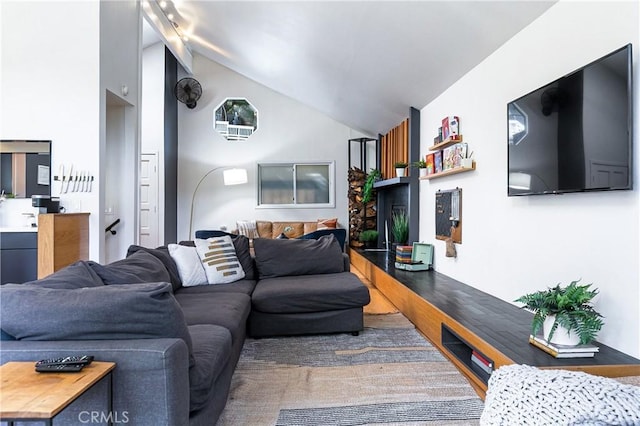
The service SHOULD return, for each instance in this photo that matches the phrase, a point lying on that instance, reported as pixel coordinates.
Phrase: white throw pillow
(219, 259)
(189, 265)
(247, 228)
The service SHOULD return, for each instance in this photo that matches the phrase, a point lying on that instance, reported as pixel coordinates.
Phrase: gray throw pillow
(134, 311)
(140, 267)
(277, 258)
(162, 253)
(76, 275)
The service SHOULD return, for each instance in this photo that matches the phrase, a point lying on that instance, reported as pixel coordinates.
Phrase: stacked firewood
(361, 216)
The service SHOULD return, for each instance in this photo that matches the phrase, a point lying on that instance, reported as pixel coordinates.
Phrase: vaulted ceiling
(361, 63)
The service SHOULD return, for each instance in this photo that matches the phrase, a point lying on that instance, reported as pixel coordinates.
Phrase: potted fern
(367, 189)
(564, 314)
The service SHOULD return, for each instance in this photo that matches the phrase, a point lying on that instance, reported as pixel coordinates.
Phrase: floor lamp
(230, 176)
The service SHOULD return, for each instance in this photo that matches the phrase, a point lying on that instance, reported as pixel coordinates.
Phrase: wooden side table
(27, 395)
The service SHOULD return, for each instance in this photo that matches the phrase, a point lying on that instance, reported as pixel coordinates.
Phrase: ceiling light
(170, 16)
(163, 4)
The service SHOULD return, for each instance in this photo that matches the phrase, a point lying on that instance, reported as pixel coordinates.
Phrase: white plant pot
(467, 163)
(423, 172)
(401, 172)
(562, 336)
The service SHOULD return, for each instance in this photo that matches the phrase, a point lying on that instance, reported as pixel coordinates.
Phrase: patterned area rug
(388, 375)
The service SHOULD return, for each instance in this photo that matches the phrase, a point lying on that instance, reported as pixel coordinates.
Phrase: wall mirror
(25, 168)
(235, 119)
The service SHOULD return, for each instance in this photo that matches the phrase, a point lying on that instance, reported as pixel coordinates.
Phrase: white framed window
(296, 185)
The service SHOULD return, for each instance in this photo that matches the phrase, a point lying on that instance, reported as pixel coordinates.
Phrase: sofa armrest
(150, 381)
(347, 262)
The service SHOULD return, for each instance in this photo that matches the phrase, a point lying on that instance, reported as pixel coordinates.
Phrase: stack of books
(563, 351)
(480, 361)
(403, 254)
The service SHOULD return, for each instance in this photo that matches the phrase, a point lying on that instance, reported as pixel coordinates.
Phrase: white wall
(54, 82)
(152, 117)
(512, 246)
(287, 131)
(50, 86)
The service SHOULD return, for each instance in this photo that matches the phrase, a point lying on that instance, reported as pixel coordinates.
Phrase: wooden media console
(459, 319)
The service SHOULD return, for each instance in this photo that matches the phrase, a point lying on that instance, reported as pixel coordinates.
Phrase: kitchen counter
(18, 229)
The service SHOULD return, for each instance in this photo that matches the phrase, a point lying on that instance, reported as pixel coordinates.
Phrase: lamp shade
(234, 176)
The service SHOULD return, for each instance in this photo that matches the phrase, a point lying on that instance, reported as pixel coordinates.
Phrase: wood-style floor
(379, 304)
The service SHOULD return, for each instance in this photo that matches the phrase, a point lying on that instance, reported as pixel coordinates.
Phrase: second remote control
(68, 360)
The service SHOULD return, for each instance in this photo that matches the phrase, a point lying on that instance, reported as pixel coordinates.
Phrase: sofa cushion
(227, 309)
(130, 311)
(340, 234)
(309, 293)
(140, 267)
(76, 275)
(189, 265)
(244, 286)
(211, 351)
(275, 258)
(241, 244)
(218, 256)
(162, 253)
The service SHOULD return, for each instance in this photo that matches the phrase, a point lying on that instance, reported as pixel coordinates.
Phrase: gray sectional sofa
(176, 347)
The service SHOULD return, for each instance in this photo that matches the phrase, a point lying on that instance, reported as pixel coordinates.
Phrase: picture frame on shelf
(437, 161)
(452, 156)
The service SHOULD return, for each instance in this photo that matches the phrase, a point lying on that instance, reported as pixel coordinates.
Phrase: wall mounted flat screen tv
(575, 133)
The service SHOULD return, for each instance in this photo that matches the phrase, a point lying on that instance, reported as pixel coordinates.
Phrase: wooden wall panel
(394, 147)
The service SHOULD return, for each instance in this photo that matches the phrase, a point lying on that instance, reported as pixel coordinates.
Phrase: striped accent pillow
(247, 228)
(219, 259)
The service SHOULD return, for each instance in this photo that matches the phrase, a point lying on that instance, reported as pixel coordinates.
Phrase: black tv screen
(575, 133)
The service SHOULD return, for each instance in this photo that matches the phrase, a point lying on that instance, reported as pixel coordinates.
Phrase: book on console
(481, 358)
(564, 348)
(566, 354)
(480, 364)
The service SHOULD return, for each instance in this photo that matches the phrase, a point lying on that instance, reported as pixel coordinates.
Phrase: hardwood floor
(379, 304)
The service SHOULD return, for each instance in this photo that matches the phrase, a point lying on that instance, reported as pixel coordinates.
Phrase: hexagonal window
(235, 119)
(518, 124)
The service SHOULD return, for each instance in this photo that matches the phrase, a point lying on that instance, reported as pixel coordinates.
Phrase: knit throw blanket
(524, 395)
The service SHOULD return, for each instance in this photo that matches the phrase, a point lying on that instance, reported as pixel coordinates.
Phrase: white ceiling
(361, 63)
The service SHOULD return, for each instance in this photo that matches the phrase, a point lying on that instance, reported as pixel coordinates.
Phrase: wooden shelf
(450, 172)
(404, 180)
(472, 319)
(445, 143)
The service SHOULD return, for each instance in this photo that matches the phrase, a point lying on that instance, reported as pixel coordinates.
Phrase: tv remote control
(68, 360)
(59, 368)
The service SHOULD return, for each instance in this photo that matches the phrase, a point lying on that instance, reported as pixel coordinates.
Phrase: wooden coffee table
(26, 395)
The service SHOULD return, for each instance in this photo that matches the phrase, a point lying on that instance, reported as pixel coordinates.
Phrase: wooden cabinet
(63, 238)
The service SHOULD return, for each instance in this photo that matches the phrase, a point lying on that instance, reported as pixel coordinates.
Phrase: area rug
(388, 375)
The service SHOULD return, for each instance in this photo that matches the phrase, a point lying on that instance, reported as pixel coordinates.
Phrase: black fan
(188, 91)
